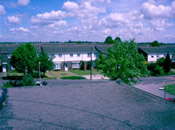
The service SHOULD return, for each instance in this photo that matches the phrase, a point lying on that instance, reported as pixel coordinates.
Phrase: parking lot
(84, 104)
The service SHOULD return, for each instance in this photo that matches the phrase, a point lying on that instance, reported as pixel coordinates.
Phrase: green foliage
(45, 62)
(170, 88)
(155, 69)
(73, 77)
(122, 61)
(28, 80)
(7, 85)
(118, 39)
(109, 40)
(160, 62)
(167, 63)
(24, 58)
(155, 44)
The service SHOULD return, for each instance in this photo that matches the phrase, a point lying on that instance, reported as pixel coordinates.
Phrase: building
(65, 56)
(152, 54)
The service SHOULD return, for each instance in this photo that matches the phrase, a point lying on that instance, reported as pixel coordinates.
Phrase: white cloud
(20, 29)
(2, 10)
(47, 18)
(85, 11)
(23, 2)
(159, 24)
(70, 6)
(13, 19)
(58, 23)
(107, 31)
(151, 11)
(120, 19)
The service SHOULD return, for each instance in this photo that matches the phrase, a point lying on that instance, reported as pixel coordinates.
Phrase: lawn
(170, 89)
(59, 74)
(85, 72)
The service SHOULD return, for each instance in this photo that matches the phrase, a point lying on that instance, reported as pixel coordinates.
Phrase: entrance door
(4, 68)
(65, 67)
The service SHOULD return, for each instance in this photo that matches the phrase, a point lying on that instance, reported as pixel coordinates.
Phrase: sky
(87, 20)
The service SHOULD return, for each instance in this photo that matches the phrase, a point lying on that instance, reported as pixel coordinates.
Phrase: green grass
(85, 72)
(59, 74)
(170, 89)
(73, 77)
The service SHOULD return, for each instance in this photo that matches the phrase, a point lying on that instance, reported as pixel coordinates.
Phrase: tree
(122, 61)
(155, 44)
(24, 58)
(109, 40)
(118, 39)
(45, 62)
(167, 63)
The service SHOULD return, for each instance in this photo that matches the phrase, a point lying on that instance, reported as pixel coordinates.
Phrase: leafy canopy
(122, 61)
(167, 63)
(109, 40)
(45, 62)
(24, 58)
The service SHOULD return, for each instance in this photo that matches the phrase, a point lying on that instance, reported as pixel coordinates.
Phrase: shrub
(73, 77)
(7, 85)
(155, 69)
(28, 80)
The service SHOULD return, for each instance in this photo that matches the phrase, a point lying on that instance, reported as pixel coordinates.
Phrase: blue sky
(87, 20)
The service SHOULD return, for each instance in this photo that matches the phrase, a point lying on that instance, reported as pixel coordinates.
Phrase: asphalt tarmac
(83, 104)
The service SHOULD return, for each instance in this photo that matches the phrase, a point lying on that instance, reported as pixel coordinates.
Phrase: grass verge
(72, 77)
(170, 89)
(85, 72)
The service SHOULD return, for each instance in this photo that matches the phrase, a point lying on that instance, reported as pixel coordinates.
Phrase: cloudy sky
(87, 20)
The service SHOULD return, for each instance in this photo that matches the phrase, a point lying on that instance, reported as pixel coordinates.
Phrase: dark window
(71, 55)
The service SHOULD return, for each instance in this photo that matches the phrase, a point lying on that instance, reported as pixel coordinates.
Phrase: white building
(152, 54)
(65, 56)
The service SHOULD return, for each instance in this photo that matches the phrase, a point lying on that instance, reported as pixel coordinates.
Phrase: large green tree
(118, 39)
(109, 40)
(24, 58)
(122, 61)
(45, 62)
(155, 44)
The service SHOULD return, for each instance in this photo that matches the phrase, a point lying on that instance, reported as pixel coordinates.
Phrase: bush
(73, 77)
(28, 80)
(7, 85)
(155, 70)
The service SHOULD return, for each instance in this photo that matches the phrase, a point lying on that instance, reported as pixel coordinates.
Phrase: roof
(158, 50)
(59, 47)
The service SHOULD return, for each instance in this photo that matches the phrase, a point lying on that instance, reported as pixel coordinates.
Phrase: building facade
(152, 54)
(65, 56)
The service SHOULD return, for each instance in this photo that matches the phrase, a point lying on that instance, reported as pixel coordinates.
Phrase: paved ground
(85, 105)
(153, 85)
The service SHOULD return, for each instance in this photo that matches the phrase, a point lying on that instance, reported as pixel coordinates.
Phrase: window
(57, 66)
(71, 55)
(9, 56)
(96, 55)
(75, 65)
(152, 56)
(157, 56)
(78, 55)
(89, 54)
(59, 55)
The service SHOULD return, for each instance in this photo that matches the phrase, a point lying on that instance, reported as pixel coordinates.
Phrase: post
(91, 65)
(39, 71)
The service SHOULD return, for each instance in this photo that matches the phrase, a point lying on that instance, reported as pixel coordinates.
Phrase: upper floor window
(89, 54)
(96, 55)
(152, 56)
(71, 55)
(60, 55)
(9, 56)
(78, 55)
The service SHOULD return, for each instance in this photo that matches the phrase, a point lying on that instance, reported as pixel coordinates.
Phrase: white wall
(67, 57)
(155, 57)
